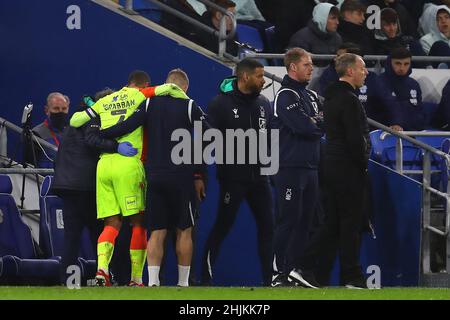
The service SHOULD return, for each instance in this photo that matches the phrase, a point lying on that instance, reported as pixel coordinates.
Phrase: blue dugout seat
(19, 261)
(51, 231)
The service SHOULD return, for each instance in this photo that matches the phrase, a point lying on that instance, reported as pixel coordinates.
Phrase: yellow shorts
(120, 186)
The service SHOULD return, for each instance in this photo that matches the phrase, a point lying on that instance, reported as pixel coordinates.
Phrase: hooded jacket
(429, 27)
(406, 21)
(232, 109)
(295, 107)
(407, 111)
(384, 45)
(314, 37)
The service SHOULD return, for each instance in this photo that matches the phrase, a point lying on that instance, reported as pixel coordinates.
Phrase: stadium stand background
(40, 54)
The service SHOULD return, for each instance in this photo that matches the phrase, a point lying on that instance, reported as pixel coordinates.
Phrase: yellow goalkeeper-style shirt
(112, 109)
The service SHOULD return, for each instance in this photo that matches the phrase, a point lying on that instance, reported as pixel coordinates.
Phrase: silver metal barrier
(221, 34)
(427, 190)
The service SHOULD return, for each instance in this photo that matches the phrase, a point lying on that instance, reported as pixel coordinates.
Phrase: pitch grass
(219, 293)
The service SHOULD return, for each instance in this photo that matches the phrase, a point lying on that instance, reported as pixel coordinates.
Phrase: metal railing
(427, 189)
(329, 57)
(221, 34)
(43, 143)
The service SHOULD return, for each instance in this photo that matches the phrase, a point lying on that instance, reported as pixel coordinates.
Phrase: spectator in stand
(407, 113)
(416, 7)
(247, 10)
(391, 35)
(179, 26)
(212, 18)
(441, 119)
(288, 16)
(436, 19)
(352, 28)
(320, 35)
(408, 24)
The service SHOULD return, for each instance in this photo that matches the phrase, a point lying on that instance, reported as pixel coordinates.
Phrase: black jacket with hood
(231, 109)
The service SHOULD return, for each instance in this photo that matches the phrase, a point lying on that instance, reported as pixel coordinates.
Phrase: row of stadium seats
(384, 152)
(22, 261)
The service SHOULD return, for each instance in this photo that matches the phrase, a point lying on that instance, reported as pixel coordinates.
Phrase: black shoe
(279, 280)
(303, 279)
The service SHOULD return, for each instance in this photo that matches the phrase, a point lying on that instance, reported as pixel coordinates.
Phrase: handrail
(19, 130)
(329, 57)
(221, 34)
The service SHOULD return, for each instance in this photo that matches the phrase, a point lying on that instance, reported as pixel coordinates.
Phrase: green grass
(219, 293)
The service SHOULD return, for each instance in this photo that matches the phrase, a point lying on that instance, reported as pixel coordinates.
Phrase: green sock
(104, 251)
(138, 257)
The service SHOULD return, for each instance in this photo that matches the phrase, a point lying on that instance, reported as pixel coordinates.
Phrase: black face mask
(58, 120)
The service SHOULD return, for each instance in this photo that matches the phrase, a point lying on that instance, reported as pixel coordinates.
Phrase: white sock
(153, 276)
(183, 275)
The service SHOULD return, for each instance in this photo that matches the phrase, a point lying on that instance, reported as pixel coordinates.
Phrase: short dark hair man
(239, 105)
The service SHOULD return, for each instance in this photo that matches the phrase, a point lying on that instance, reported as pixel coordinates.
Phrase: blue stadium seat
(51, 231)
(384, 151)
(250, 35)
(17, 249)
(435, 142)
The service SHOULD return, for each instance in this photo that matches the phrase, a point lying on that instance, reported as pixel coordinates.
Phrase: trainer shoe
(102, 279)
(279, 280)
(135, 284)
(357, 284)
(303, 279)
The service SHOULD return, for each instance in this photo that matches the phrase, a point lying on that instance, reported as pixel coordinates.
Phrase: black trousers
(259, 197)
(341, 232)
(297, 197)
(79, 211)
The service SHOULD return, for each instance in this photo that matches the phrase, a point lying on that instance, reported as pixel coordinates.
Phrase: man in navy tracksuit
(171, 185)
(296, 115)
(406, 113)
(239, 105)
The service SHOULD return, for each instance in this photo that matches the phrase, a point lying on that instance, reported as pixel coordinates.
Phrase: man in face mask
(56, 109)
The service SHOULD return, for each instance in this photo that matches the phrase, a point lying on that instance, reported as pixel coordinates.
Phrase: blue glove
(126, 149)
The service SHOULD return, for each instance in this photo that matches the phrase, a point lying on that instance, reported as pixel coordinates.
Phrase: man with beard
(239, 105)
